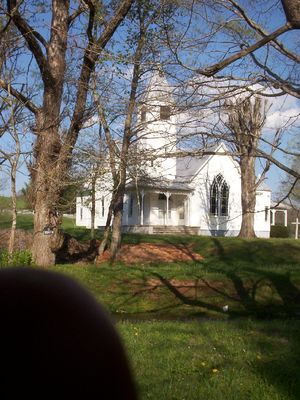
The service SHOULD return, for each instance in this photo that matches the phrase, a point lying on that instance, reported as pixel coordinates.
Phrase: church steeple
(157, 120)
(158, 89)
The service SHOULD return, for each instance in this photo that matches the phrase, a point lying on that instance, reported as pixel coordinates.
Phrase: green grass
(5, 203)
(192, 290)
(25, 221)
(258, 277)
(240, 360)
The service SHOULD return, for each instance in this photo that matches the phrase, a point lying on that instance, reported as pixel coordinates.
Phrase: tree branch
(113, 24)
(19, 96)
(212, 70)
(277, 81)
(275, 43)
(90, 58)
(76, 13)
(31, 37)
(108, 137)
(262, 154)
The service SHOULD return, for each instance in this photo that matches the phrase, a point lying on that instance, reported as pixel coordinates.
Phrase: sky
(284, 114)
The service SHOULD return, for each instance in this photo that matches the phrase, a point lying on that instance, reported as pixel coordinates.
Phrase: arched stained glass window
(219, 195)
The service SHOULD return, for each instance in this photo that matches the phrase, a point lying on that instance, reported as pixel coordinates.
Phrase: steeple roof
(158, 89)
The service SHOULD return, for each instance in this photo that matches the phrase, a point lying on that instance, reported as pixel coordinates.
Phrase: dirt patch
(74, 251)
(147, 252)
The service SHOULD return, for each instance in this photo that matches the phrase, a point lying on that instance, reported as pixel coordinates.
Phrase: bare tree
(144, 15)
(54, 145)
(12, 118)
(246, 118)
(90, 169)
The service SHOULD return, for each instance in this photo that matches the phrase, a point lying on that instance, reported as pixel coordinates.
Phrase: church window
(102, 206)
(219, 195)
(165, 112)
(130, 206)
(266, 213)
(143, 114)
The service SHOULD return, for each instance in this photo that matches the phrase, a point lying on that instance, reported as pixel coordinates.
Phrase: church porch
(157, 211)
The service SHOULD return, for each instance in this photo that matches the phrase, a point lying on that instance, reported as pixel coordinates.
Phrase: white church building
(174, 193)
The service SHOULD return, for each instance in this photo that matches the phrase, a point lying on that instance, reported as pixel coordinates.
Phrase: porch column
(285, 217)
(297, 227)
(273, 212)
(167, 216)
(142, 207)
(188, 209)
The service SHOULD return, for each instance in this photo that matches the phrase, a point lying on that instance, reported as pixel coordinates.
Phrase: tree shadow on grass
(287, 292)
(252, 251)
(279, 363)
(256, 293)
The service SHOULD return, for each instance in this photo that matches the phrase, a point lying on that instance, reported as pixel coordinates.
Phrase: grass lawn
(242, 360)
(192, 290)
(24, 221)
(181, 342)
(5, 203)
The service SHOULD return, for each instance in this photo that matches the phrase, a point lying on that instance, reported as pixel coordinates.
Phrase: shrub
(18, 258)
(279, 231)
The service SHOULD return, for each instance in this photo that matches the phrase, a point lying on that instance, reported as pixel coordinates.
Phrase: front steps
(169, 230)
(161, 229)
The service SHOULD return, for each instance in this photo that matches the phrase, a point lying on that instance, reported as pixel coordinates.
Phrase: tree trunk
(14, 207)
(41, 249)
(245, 121)
(116, 236)
(48, 179)
(13, 176)
(93, 208)
(106, 232)
(248, 196)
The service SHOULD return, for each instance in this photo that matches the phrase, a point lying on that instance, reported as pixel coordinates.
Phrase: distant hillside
(22, 203)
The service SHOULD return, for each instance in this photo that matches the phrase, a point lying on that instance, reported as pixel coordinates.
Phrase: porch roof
(161, 185)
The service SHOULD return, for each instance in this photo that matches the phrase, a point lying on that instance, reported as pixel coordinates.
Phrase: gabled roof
(189, 166)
